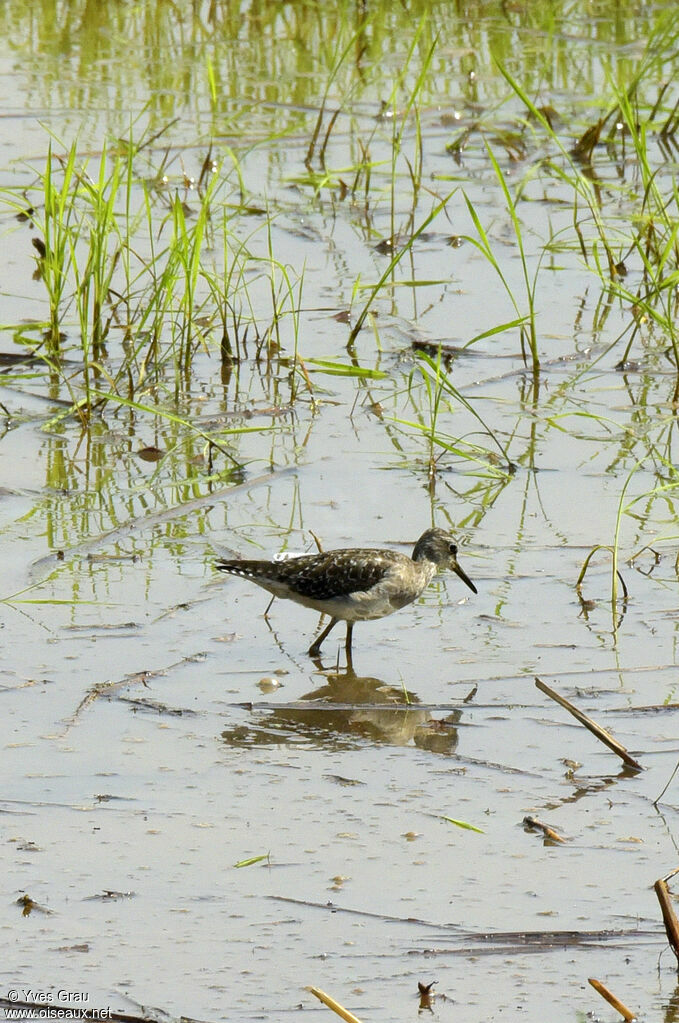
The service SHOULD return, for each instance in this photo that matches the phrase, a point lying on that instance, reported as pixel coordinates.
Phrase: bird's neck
(427, 569)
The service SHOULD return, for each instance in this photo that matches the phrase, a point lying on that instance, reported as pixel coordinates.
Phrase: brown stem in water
(626, 1013)
(601, 733)
(335, 1006)
(668, 915)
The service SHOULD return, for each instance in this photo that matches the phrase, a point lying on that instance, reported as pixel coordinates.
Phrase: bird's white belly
(363, 605)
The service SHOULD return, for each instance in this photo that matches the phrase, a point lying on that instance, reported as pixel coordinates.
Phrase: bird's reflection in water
(347, 710)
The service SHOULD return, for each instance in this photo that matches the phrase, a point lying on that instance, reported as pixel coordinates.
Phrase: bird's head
(440, 548)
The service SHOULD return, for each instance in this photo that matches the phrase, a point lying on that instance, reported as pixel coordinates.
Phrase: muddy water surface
(146, 750)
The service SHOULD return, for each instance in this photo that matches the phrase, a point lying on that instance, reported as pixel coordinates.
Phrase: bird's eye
(452, 547)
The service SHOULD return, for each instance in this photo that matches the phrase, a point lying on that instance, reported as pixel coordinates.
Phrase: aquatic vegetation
(290, 277)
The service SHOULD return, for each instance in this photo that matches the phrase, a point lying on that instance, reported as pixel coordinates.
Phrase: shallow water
(145, 753)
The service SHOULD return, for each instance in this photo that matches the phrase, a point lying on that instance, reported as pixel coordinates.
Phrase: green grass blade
(463, 824)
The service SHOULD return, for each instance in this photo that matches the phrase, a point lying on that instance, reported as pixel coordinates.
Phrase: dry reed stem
(668, 915)
(601, 733)
(335, 1006)
(626, 1013)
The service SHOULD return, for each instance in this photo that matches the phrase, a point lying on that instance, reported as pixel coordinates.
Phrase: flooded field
(285, 277)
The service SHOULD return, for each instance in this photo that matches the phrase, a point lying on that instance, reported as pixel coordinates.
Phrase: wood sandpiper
(354, 584)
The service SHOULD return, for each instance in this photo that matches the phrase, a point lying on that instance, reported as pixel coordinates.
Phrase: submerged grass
(441, 399)
(139, 278)
(376, 288)
(641, 244)
(625, 508)
(148, 271)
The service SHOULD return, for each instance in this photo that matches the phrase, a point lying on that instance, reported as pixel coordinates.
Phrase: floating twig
(626, 1013)
(601, 733)
(537, 825)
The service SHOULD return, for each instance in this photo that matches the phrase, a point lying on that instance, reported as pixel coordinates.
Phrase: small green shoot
(340, 369)
(462, 824)
(252, 860)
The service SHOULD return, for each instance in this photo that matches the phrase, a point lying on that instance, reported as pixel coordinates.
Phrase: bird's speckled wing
(321, 576)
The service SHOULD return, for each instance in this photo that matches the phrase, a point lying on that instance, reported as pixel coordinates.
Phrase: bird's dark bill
(464, 577)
